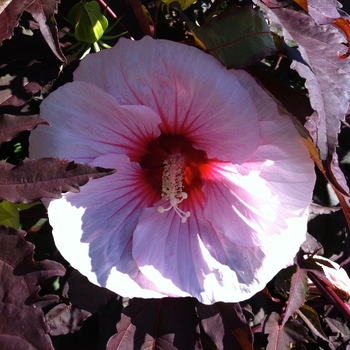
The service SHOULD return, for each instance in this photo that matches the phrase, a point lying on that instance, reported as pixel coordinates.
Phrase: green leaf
(237, 37)
(9, 213)
(89, 22)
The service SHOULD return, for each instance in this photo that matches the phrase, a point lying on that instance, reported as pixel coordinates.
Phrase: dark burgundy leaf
(296, 102)
(43, 12)
(34, 179)
(297, 295)
(167, 324)
(26, 65)
(64, 319)
(282, 337)
(85, 295)
(328, 79)
(225, 324)
(22, 325)
(10, 12)
(11, 126)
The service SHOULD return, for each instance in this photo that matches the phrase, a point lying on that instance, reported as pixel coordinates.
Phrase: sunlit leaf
(323, 11)
(238, 37)
(11, 126)
(328, 80)
(64, 319)
(34, 179)
(88, 21)
(297, 295)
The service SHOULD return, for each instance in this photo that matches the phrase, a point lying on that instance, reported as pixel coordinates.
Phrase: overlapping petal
(96, 125)
(192, 93)
(94, 228)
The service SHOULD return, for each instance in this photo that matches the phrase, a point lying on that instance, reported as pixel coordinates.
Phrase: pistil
(172, 185)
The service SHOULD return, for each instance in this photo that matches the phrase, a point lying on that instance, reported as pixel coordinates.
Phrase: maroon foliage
(225, 324)
(22, 325)
(327, 77)
(34, 179)
(85, 295)
(10, 12)
(64, 319)
(42, 12)
(169, 323)
(293, 333)
(11, 126)
(181, 323)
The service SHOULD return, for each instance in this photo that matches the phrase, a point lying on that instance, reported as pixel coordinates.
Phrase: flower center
(172, 185)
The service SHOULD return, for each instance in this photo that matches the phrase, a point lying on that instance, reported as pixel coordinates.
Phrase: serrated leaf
(311, 319)
(85, 295)
(22, 324)
(34, 179)
(323, 11)
(10, 12)
(338, 327)
(168, 324)
(282, 338)
(11, 125)
(64, 319)
(43, 12)
(328, 80)
(226, 325)
(297, 295)
(237, 37)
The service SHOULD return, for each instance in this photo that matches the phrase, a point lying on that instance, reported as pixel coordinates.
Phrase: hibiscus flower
(211, 194)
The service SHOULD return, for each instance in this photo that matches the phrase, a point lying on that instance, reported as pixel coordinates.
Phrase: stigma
(172, 185)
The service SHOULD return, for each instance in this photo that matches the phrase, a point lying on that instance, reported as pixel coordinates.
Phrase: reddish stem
(330, 294)
(111, 12)
(140, 16)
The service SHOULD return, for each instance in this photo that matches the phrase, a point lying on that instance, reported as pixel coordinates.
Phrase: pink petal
(193, 259)
(168, 253)
(87, 122)
(93, 229)
(269, 194)
(200, 100)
